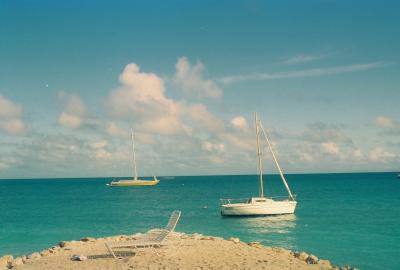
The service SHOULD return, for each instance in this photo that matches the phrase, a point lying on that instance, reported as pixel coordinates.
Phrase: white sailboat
(135, 181)
(261, 205)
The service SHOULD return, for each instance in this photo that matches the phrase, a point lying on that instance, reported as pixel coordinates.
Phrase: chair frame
(157, 240)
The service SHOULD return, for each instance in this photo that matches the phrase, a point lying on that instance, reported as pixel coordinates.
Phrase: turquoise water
(347, 218)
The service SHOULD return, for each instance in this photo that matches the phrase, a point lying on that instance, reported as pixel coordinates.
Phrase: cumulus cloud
(330, 148)
(200, 114)
(386, 122)
(74, 110)
(209, 146)
(239, 122)
(114, 130)
(142, 100)
(190, 79)
(379, 154)
(10, 117)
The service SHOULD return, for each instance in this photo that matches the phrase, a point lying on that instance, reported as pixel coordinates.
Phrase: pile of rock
(324, 264)
(9, 262)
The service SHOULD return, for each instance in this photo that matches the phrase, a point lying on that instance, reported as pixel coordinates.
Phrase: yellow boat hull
(130, 183)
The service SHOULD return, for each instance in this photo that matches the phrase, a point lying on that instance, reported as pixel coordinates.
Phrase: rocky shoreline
(194, 251)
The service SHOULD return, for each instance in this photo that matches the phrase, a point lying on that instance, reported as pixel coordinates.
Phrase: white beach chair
(154, 241)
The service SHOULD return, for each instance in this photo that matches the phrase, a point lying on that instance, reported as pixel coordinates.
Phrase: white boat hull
(267, 207)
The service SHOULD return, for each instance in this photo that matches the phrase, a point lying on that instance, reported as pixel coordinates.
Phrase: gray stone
(34, 256)
(255, 244)
(17, 261)
(197, 236)
(63, 244)
(45, 253)
(235, 240)
(325, 264)
(78, 258)
(5, 260)
(55, 248)
(312, 259)
(88, 239)
(301, 255)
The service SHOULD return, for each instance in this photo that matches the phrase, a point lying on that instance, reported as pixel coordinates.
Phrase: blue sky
(76, 75)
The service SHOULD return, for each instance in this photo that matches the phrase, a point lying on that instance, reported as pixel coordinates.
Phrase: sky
(188, 76)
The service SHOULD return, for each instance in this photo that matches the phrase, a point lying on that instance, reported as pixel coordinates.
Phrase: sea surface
(347, 218)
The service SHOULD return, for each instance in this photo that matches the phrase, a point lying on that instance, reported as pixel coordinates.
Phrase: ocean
(347, 218)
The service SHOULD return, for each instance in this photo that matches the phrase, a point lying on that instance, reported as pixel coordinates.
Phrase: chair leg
(111, 251)
(155, 251)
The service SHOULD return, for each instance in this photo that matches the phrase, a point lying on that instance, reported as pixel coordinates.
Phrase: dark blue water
(347, 218)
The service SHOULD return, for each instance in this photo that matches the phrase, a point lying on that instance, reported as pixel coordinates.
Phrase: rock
(206, 238)
(312, 259)
(78, 258)
(197, 236)
(5, 260)
(17, 261)
(24, 259)
(63, 244)
(301, 256)
(216, 238)
(45, 253)
(235, 240)
(88, 239)
(325, 264)
(54, 249)
(255, 244)
(34, 256)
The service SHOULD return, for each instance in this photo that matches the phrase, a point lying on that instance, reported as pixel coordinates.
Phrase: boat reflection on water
(276, 231)
(269, 224)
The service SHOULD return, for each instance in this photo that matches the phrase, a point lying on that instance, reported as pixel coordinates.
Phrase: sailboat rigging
(261, 205)
(135, 181)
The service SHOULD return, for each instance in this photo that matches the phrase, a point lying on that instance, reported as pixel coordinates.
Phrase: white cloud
(190, 79)
(386, 122)
(314, 72)
(239, 122)
(211, 147)
(114, 130)
(99, 144)
(72, 116)
(142, 100)
(330, 148)
(200, 114)
(381, 155)
(10, 117)
(302, 58)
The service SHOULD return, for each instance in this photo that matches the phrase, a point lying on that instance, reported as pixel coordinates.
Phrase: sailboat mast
(276, 162)
(260, 170)
(134, 156)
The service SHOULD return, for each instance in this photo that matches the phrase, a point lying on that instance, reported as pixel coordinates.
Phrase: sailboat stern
(259, 207)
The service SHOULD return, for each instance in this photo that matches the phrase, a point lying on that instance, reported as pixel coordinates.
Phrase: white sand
(183, 252)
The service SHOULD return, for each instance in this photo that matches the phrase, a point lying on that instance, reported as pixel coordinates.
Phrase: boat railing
(246, 200)
(230, 201)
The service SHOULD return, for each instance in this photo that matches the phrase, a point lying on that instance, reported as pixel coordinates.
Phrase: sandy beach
(183, 251)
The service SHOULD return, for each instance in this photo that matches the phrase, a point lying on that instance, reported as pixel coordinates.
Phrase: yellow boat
(135, 181)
